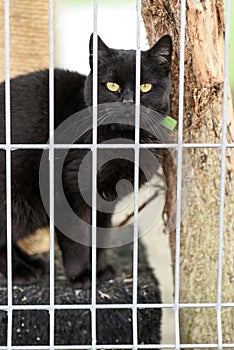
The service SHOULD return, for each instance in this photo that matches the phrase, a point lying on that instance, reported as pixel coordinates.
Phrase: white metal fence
(134, 306)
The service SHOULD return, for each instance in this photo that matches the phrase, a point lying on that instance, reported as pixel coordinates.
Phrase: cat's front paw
(105, 274)
(84, 279)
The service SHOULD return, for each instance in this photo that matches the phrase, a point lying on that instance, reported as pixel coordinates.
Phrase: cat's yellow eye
(112, 86)
(146, 87)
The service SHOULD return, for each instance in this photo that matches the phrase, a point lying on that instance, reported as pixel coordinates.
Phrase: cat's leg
(25, 220)
(76, 261)
(104, 270)
(25, 268)
(77, 257)
(27, 213)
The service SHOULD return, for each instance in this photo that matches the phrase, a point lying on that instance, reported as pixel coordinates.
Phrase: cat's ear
(103, 50)
(161, 52)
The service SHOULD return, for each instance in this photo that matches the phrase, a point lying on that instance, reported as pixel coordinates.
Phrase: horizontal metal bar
(117, 346)
(172, 346)
(15, 147)
(116, 306)
(45, 347)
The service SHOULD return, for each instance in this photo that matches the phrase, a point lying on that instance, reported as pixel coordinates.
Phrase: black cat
(29, 124)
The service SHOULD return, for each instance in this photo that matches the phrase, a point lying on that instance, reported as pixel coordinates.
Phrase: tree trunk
(203, 97)
(29, 36)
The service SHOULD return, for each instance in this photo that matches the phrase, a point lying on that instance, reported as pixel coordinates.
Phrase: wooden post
(203, 97)
(29, 36)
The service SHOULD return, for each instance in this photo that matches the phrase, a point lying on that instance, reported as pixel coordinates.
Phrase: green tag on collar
(169, 123)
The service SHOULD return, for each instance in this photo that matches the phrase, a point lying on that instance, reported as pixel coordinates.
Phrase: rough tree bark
(202, 124)
(29, 38)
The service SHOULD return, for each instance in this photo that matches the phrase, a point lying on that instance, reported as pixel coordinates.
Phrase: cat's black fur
(29, 115)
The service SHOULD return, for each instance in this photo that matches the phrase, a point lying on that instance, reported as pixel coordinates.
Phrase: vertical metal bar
(94, 176)
(8, 170)
(51, 165)
(179, 172)
(136, 177)
(222, 178)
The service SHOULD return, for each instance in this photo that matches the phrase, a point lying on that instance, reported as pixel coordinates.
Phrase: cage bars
(51, 170)
(8, 171)
(113, 145)
(222, 179)
(116, 306)
(8, 147)
(118, 346)
(179, 174)
(136, 178)
(94, 178)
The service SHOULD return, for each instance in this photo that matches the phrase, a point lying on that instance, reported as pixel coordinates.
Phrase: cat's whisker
(154, 128)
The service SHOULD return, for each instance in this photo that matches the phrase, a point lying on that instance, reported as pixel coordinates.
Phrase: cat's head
(117, 75)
